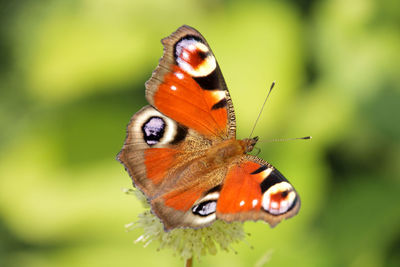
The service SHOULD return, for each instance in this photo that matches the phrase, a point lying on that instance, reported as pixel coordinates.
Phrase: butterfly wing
(155, 144)
(254, 190)
(250, 189)
(190, 111)
(188, 86)
(166, 161)
(165, 151)
(192, 202)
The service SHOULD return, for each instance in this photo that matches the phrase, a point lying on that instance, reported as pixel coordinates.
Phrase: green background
(72, 74)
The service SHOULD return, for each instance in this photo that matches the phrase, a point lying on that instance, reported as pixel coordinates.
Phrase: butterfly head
(249, 143)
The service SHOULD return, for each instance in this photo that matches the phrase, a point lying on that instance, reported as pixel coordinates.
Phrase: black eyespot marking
(261, 169)
(181, 132)
(273, 178)
(209, 82)
(214, 189)
(153, 130)
(203, 55)
(220, 104)
(205, 208)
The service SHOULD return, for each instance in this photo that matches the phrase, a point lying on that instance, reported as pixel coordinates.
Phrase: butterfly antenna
(262, 108)
(287, 139)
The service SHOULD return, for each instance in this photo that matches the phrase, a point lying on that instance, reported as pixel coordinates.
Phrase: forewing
(188, 86)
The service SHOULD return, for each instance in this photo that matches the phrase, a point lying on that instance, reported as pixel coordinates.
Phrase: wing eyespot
(153, 130)
(194, 57)
(205, 209)
(279, 198)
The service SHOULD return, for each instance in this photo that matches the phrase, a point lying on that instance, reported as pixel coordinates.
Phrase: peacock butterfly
(182, 153)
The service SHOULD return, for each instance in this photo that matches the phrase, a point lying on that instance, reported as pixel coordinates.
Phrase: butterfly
(181, 150)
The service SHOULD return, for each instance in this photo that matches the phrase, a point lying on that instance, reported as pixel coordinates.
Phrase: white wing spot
(241, 203)
(185, 55)
(173, 87)
(202, 47)
(254, 203)
(218, 95)
(179, 75)
(266, 172)
(191, 47)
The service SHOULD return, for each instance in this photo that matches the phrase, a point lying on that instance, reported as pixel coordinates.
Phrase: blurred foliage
(72, 73)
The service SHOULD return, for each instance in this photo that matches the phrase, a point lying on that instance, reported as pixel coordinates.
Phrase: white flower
(186, 242)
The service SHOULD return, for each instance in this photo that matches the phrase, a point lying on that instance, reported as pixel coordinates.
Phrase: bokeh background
(72, 73)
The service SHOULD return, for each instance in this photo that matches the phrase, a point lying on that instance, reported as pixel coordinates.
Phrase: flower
(187, 243)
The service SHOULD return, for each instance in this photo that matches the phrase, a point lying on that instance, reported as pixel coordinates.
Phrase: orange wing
(158, 161)
(188, 86)
(185, 101)
(255, 190)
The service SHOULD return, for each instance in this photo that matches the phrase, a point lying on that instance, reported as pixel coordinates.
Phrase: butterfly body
(182, 153)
